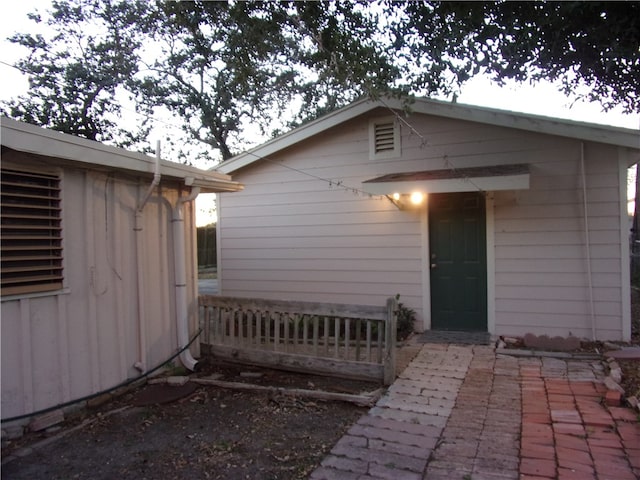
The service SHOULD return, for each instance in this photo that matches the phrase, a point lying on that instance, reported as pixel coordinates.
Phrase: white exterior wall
(541, 251)
(60, 346)
(292, 236)
(289, 235)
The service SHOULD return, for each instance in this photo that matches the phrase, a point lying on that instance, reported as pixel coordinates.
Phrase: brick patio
(463, 412)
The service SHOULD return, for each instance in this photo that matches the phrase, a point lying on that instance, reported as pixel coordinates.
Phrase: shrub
(406, 318)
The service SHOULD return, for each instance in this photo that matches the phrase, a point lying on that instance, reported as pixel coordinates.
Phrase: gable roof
(65, 149)
(622, 137)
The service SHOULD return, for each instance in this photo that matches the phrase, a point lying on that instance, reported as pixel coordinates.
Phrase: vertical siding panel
(127, 201)
(167, 330)
(63, 349)
(154, 296)
(192, 273)
(61, 302)
(92, 340)
(26, 364)
(117, 238)
(45, 344)
(12, 351)
(77, 280)
(104, 284)
(159, 279)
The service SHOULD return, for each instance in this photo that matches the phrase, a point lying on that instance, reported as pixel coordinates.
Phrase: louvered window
(384, 138)
(31, 233)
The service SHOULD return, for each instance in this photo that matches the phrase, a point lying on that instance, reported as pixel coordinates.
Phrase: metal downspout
(142, 322)
(587, 243)
(182, 317)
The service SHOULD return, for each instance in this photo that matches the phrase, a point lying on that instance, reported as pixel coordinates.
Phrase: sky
(540, 99)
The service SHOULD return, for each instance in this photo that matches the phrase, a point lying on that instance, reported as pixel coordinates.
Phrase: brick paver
(580, 437)
(396, 438)
(483, 430)
(465, 412)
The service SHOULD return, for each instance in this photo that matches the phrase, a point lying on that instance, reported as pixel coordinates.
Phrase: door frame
(491, 265)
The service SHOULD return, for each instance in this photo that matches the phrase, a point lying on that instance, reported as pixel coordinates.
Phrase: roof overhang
(490, 178)
(51, 146)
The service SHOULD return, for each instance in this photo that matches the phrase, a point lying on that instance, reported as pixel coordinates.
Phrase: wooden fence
(353, 341)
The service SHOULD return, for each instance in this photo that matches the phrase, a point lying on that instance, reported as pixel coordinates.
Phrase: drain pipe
(587, 243)
(155, 181)
(182, 318)
(142, 322)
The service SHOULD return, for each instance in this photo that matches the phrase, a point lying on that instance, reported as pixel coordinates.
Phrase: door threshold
(452, 336)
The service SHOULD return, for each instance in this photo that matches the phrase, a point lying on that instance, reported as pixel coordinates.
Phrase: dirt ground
(210, 433)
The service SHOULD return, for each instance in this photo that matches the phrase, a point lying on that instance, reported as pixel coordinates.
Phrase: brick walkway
(567, 433)
(461, 412)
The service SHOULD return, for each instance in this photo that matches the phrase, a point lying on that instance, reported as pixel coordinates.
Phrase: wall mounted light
(417, 198)
(406, 201)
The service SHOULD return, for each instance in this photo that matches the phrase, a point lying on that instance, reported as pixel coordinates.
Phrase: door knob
(434, 265)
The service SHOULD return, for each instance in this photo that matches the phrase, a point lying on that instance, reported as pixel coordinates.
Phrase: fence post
(390, 341)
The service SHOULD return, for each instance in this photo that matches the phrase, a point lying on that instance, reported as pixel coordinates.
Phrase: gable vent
(384, 137)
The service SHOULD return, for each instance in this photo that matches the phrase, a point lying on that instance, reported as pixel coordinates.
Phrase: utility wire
(337, 183)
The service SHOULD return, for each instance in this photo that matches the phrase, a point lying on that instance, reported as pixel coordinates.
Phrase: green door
(458, 261)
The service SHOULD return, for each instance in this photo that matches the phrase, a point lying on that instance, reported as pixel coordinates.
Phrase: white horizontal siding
(541, 253)
(575, 292)
(291, 235)
(560, 278)
(558, 324)
(321, 242)
(556, 265)
(305, 231)
(381, 266)
(549, 251)
(541, 305)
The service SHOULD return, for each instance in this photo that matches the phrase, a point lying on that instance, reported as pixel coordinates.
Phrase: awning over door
(490, 178)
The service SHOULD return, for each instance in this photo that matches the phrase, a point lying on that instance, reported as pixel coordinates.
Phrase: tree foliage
(218, 67)
(224, 65)
(75, 72)
(591, 48)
